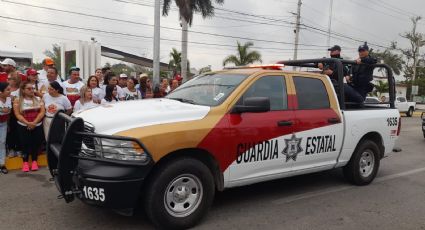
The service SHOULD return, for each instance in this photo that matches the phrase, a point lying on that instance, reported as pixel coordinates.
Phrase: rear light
(399, 126)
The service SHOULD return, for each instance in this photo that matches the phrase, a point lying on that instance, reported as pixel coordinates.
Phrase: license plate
(93, 193)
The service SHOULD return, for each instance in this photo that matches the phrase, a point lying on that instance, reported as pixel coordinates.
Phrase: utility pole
(415, 63)
(156, 42)
(183, 65)
(297, 30)
(330, 24)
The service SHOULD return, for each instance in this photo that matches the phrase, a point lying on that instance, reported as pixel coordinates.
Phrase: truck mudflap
(102, 170)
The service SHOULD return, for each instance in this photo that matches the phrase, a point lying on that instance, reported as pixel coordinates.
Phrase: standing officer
(362, 73)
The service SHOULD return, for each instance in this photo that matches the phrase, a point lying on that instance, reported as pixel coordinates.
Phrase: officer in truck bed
(362, 75)
(329, 69)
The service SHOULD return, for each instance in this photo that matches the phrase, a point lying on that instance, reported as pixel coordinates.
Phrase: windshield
(209, 89)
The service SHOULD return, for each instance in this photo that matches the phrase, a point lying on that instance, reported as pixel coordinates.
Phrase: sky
(269, 24)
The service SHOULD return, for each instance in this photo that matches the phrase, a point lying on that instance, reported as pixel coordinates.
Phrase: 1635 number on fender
(92, 193)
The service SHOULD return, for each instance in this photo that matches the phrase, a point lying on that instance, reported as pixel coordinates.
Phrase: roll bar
(312, 63)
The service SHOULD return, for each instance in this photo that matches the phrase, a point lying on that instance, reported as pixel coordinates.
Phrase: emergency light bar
(266, 66)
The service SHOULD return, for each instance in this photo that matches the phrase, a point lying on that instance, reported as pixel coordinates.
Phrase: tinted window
(273, 87)
(402, 99)
(311, 93)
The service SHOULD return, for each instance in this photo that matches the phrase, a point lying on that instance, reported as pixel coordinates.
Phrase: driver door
(258, 138)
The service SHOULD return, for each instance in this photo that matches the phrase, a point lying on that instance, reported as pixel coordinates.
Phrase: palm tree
(381, 87)
(175, 61)
(393, 60)
(186, 10)
(244, 56)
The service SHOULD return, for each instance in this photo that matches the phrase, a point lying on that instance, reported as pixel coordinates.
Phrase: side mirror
(253, 105)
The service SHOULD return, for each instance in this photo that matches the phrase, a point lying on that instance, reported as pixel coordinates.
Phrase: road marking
(308, 195)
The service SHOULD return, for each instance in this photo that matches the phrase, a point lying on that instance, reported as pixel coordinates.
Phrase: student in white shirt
(97, 92)
(111, 95)
(54, 101)
(131, 92)
(111, 79)
(86, 100)
(5, 109)
(73, 85)
(29, 111)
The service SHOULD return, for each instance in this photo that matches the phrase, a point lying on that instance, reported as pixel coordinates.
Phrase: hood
(126, 115)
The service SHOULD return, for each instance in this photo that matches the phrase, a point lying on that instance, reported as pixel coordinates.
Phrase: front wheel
(364, 164)
(409, 113)
(179, 194)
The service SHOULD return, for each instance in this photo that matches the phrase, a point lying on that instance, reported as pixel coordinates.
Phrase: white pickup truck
(404, 106)
(219, 130)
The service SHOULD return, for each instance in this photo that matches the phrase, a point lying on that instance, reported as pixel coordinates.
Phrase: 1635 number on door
(93, 193)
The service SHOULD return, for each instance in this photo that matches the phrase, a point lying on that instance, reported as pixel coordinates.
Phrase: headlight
(120, 150)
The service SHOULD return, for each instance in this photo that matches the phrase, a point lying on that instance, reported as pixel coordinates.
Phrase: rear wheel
(364, 164)
(179, 194)
(409, 113)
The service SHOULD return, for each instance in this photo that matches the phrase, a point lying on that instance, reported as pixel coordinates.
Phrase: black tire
(166, 178)
(409, 113)
(354, 172)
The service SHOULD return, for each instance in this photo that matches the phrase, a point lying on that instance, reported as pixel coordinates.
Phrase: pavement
(395, 200)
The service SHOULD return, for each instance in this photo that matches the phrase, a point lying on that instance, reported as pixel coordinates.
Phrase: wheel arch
(376, 138)
(199, 154)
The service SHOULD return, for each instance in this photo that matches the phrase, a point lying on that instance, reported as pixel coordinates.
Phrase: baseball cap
(335, 47)
(9, 61)
(123, 75)
(31, 72)
(48, 61)
(143, 75)
(74, 68)
(363, 47)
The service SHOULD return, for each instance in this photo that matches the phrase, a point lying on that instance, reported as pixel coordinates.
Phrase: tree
(244, 56)
(381, 87)
(120, 68)
(411, 54)
(395, 61)
(54, 54)
(186, 10)
(175, 62)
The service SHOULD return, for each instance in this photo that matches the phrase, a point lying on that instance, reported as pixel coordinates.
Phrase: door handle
(284, 123)
(333, 120)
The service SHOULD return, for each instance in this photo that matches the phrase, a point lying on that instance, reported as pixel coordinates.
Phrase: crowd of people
(28, 102)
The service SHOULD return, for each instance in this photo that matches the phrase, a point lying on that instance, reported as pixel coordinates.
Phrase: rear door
(318, 123)
(258, 138)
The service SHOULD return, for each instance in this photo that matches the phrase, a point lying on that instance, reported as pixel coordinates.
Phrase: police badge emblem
(292, 148)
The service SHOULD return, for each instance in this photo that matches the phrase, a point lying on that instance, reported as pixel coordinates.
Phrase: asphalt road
(395, 200)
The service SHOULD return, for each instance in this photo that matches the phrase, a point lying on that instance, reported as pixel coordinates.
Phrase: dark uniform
(362, 75)
(333, 67)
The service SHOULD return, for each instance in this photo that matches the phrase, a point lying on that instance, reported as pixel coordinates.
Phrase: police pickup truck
(219, 130)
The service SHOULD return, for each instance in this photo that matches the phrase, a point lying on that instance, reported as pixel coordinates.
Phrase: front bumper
(110, 186)
(81, 171)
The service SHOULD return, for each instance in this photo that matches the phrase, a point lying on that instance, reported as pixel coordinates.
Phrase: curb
(13, 163)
